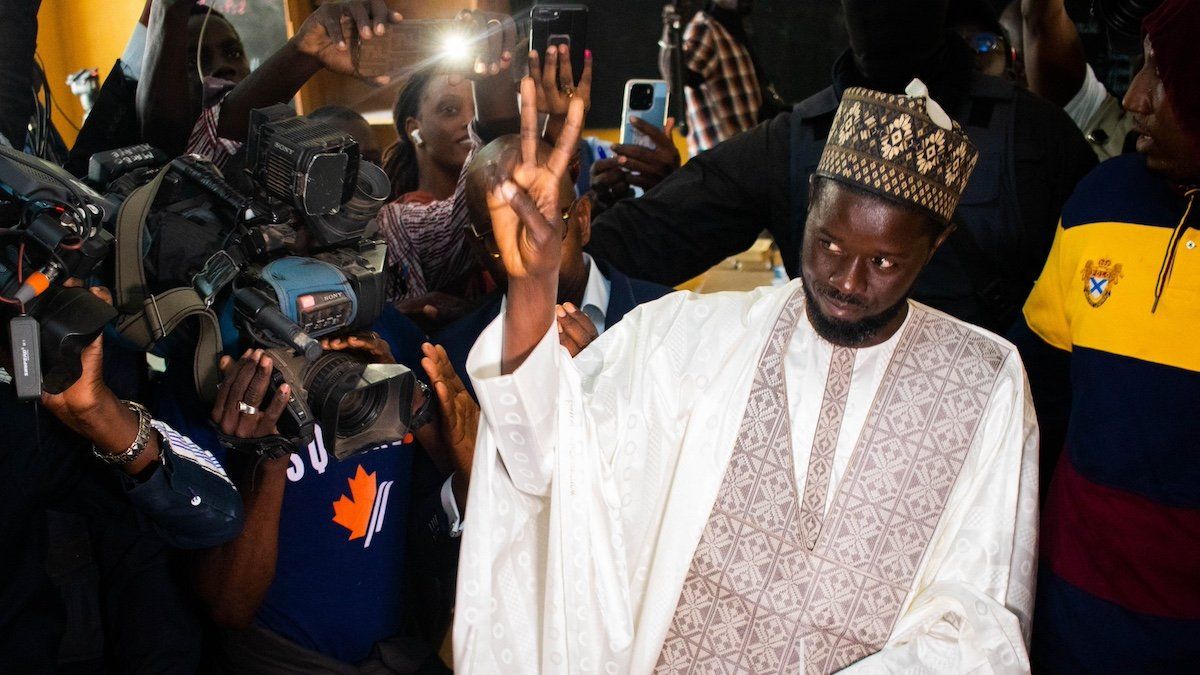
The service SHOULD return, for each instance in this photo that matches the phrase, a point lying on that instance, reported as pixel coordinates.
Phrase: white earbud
(416, 136)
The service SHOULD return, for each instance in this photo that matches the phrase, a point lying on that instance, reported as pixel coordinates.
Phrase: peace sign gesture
(524, 206)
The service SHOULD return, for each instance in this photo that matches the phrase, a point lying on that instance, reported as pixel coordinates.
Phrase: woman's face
(446, 111)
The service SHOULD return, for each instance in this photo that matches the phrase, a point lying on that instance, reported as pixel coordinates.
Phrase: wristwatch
(423, 415)
(136, 448)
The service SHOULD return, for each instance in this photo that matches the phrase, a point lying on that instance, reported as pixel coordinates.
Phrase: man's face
(221, 54)
(1161, 138)
(860, 259)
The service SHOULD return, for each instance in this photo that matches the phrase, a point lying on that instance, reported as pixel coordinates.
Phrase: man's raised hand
(524, 205)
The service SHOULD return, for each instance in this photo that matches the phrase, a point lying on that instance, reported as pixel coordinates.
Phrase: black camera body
(52, 228)
(289, 238)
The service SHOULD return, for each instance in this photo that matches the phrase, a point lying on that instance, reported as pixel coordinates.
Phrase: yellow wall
(74, 34)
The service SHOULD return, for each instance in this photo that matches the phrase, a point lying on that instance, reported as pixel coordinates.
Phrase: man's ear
(583, 216)
(410, 125)
(941, 239)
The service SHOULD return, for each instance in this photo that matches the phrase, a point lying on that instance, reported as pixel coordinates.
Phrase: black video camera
(290, 237)
(52, 228)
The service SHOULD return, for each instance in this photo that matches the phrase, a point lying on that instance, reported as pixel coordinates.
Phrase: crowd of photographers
(239, 427)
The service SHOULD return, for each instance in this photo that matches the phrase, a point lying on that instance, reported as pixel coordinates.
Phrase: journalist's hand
(244, 384)
(85, 405)
(328, 32)
(610, 182)
(651, 166)
(375, 347)
(556, 81)
(496, 37)
(434, 309)
(459, 414)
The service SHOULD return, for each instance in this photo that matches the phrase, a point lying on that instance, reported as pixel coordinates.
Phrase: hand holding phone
(558, 25)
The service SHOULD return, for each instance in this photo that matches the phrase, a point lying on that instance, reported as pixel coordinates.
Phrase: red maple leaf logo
(354, 512)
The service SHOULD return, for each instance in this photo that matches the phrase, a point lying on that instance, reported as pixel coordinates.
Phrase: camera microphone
(262, 311)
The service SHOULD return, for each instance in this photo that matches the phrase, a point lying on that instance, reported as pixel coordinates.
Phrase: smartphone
(560, 25)
(648, 100)
(409, 45)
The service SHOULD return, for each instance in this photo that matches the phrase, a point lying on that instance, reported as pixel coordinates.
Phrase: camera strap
(271, 447)
(145, 317)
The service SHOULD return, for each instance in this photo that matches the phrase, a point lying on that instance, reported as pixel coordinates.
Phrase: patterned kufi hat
(904, 148)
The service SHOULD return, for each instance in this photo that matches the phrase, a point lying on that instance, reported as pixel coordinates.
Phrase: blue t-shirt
(339, 577)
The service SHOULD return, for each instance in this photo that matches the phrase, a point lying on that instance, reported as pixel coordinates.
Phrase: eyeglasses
(487, 237)
(987, 42)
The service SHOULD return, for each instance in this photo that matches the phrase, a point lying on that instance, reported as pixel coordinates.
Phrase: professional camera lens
(360, 408)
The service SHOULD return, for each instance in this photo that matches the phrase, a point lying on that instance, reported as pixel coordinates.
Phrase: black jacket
(1032, 156)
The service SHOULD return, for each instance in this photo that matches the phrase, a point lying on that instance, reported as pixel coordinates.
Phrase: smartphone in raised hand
(649, 101)
(412, 44)
(560, 24)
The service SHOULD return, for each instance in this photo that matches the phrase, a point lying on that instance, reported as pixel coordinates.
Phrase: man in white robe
(815, 477)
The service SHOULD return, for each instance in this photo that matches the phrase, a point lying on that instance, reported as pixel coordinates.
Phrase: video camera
(52, 228)
(290, 240)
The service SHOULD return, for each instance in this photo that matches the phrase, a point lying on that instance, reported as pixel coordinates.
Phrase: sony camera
(52, 228)
(289, 236)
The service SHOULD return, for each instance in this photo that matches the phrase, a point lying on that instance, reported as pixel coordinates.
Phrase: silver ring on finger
(246, 408)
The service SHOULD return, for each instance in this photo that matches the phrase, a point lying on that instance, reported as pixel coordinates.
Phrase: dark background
(797, 41)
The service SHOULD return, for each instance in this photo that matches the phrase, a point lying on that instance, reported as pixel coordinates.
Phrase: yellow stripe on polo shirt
(1097, 290)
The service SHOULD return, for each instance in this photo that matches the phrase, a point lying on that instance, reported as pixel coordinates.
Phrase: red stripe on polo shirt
(1122, 547)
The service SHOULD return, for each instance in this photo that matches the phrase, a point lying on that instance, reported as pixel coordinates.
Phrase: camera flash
(455, 47)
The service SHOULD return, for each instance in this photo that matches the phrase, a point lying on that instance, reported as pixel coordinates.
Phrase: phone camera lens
(641, 97)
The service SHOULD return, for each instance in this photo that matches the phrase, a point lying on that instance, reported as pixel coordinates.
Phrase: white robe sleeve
(519, 408)
(971, 608)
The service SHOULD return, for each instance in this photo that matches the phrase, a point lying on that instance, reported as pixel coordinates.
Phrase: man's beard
(848, 333)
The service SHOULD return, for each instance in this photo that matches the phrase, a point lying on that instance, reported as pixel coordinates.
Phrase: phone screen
(409, 45)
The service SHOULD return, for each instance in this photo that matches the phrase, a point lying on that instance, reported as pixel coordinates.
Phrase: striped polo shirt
(1119, 589)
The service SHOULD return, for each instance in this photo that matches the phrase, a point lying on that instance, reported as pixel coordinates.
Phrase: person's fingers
(223, 389)
(240, 374)
(568, 139)
(668, 129)
(577, 326)
(332, 23)
(584, 90)
(270, 416)
(566, 77)
(535, 67)
(530, 132)
(654, 133)
(257, 389)
(445, 400)
(508, 44)
(653, 166)
(493, 44)
(638, 152)
(362, 21)
(548, 77)
(582, 320)
(380, 15)
(102, 293)
(527, 210)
